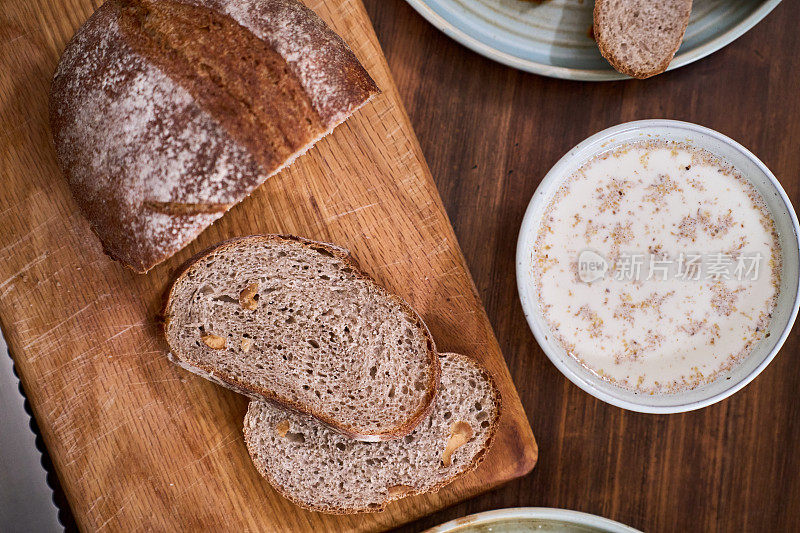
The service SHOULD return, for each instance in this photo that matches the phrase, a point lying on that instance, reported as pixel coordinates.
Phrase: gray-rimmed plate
(524, 519)
(553, 38)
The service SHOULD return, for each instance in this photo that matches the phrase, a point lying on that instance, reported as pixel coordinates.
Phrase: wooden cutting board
(138, 443)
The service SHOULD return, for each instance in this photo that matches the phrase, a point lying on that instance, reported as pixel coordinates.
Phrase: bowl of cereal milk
(657, 265)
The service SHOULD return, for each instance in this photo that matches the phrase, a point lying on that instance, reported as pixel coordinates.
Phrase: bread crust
(237, 385)
(605, 44)
(151, 163)
(477, 460)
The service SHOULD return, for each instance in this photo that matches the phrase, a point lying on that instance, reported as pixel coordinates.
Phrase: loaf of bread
(640, 37)
(322, 470)
(298, 323)
(166, 113)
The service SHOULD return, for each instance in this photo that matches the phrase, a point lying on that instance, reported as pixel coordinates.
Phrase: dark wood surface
(489, 134)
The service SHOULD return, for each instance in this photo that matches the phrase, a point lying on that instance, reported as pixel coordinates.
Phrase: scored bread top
(167, 113)
(298, 323)
(334, 81)
(640, 37)
(322, 470)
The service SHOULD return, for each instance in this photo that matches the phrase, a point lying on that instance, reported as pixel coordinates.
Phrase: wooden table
(490, 133)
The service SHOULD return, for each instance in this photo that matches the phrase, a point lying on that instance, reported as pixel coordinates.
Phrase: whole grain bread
(166, 113)
(322, 470)
(640, 37)
(297, 322)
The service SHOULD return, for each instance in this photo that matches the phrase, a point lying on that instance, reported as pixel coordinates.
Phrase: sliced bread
(298, 323)
(322, 470)
(640, 37)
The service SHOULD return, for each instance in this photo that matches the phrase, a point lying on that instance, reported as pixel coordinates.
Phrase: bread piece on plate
(640, 37)
(322, 470)
(298, 323)
(166, 113)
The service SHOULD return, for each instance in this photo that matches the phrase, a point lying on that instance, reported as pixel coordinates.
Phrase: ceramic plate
(526, 519)
(552, 38)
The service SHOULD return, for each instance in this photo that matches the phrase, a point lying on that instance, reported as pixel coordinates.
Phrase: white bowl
(786, 224)
(526, 519)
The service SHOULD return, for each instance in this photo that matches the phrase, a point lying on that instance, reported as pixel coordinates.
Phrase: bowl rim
(530, 306)
(540, 513)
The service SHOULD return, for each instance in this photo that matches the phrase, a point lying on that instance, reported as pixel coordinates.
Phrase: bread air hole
(298, 438)
(204, 290)
(322, 251)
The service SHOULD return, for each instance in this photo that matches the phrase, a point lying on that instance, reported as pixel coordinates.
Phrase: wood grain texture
(139, 444)
(490, 134)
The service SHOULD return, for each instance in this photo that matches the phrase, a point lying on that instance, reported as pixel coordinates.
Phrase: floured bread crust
(166, 114)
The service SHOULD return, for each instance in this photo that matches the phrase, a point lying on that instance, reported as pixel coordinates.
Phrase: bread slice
(640, 37)
(298, 323)
(322, 470)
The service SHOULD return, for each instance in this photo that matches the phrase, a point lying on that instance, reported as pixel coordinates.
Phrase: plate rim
(542, 513)
(567, 73)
